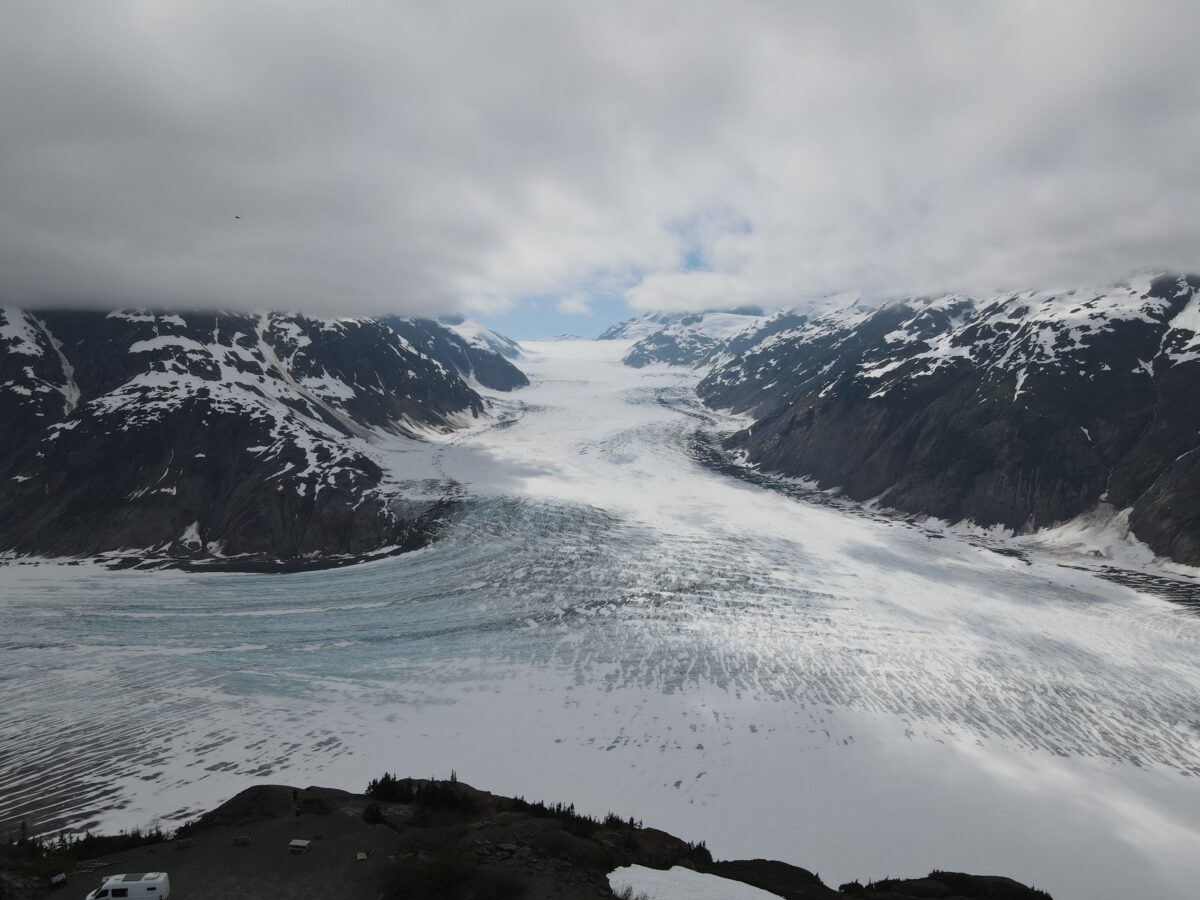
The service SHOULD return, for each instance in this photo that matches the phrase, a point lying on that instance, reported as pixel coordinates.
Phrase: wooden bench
(298, 846)
(241, 841)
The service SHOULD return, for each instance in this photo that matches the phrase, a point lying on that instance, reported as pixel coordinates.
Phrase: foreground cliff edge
(417, 839)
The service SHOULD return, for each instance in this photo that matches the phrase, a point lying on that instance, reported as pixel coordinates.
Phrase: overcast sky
(573, 156)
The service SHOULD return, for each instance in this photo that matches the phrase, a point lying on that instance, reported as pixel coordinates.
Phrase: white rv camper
(134, 886)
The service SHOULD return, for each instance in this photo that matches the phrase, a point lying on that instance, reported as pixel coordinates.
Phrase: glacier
(611, 621)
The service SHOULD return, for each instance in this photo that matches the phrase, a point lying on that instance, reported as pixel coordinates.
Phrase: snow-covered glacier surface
(607, 621)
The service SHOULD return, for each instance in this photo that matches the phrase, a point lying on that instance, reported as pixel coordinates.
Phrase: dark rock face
(480, 336)
(675, 347)
(487, 362)
(637, 327)
(1021, 411)
(640, 326)
(687, 339)
(227, 436)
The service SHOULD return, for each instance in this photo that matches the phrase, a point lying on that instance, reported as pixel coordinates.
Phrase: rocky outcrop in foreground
(224, 438)
(438, 840)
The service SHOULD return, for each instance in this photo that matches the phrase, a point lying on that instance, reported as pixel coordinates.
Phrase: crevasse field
(611, 622)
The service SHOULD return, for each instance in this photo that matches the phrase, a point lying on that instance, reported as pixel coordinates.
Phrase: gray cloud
(423, 157)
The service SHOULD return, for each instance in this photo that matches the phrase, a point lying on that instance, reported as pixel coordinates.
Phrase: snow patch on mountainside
(692, 339)
(1187, 322)
(713, 323)
(479, 335)
(1103, 533)
(18, 333)
(1017, 332)
(1014, 333)
(678, 883)
(1023, 409)
(264, 424)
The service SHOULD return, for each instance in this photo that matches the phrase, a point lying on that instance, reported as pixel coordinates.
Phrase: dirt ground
(214, 868)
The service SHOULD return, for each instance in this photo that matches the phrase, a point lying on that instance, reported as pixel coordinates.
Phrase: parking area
(222, 863)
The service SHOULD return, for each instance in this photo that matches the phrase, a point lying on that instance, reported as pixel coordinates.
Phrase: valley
(610, 617)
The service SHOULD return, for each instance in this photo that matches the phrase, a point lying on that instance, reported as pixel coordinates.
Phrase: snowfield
(611, 622)
(679, 883)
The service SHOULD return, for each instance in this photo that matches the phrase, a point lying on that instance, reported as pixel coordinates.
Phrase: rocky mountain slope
(688, 339)
(481, 337)
(430, 840)
(1019, 410)
(238, 437)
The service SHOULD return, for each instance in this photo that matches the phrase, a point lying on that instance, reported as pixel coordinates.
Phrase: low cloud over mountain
(420, 158)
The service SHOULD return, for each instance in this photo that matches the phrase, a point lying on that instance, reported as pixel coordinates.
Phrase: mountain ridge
(233, 437)
(1021, 410)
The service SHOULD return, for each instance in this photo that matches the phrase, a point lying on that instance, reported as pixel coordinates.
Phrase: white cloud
(574, 305)
(422, 157)
(695, 290)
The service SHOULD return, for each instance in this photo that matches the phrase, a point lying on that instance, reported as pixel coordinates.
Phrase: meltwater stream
(610, 622)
